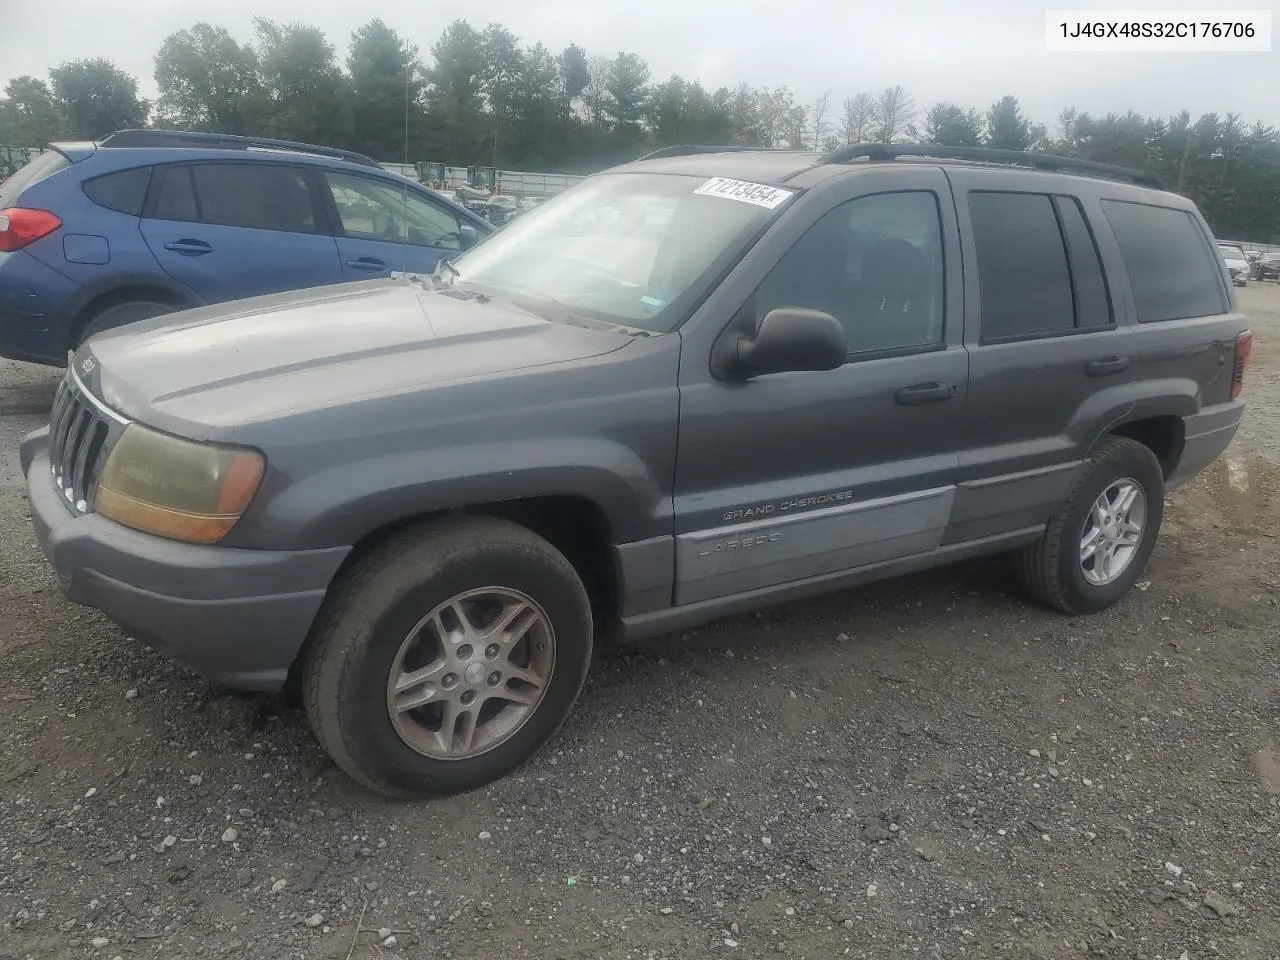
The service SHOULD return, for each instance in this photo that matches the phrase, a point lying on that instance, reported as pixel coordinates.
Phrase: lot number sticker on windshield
(760, 194)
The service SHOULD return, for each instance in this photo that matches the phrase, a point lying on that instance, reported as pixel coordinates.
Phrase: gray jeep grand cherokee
(695, 384)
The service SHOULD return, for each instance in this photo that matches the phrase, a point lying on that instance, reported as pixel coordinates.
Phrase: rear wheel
(447, 657)
(1098, 542)
(119, 314)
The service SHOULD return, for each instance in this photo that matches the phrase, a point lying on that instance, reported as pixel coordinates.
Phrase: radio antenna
(408, 68)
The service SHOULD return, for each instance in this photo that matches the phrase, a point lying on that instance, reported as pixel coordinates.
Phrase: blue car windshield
(632, 248)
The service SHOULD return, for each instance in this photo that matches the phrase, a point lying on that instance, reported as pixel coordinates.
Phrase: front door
(385, 227)
(232, 230)
(794, 476)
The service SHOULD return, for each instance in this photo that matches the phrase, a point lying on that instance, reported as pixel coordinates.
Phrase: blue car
(145, 222)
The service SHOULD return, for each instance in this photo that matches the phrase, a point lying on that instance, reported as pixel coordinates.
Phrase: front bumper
(239, 617)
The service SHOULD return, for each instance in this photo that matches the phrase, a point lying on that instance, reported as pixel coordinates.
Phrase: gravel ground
(926, 768)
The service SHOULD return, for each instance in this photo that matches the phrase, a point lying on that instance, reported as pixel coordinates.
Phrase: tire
(119, 314)
(363, 631)
(1051, 569)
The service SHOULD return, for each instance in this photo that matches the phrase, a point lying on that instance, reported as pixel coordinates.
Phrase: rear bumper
(239, 617)
(1207, 436)
(33, 322)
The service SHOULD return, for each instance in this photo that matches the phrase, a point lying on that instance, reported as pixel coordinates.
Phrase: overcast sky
(931, 47)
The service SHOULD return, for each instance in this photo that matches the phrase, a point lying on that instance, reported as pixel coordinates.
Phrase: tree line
(481, 97)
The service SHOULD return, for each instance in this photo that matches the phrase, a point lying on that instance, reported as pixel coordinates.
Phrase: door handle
(925, 393)
(371, 264)
(1103, 368)
(189, 248)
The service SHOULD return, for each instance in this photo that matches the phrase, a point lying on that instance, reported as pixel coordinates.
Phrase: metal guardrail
(1245, 244)
(514, 182)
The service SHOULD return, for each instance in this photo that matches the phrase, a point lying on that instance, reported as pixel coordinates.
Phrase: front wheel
(1097, 543)
(447, 657)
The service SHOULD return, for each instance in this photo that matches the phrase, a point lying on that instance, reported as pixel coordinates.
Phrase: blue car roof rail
(225, 141)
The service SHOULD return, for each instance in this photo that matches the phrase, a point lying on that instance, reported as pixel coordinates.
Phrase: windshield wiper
(567, 314)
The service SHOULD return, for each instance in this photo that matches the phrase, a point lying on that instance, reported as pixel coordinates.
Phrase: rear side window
(28, 175)
(262, 196)
(1093, 303)
(1023, 278)
(1172, 268)
(123, 191)
(176, 197)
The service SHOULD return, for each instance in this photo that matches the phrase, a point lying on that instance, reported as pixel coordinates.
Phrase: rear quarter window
(45, 165)
(1173, 270)
(123, 191)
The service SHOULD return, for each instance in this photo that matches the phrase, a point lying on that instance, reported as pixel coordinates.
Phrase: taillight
(19, 227)
(1244, 349)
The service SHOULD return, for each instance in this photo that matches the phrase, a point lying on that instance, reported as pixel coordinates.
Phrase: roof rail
(225, 141)
(690, 149)
(882, 152)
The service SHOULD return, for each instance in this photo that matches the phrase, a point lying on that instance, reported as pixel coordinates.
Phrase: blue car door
(383, 225)
(239, 229)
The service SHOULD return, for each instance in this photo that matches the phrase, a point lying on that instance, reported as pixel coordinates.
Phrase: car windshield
(634, 249)
(1231, 253)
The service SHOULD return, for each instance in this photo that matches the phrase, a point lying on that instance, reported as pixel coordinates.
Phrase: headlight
(177, 488)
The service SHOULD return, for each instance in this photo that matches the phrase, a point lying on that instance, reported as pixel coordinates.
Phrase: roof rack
(225, 141)
(690, 149)
(882, 152)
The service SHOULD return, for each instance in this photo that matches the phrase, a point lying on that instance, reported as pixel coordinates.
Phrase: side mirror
(788, 339)
(468, 236)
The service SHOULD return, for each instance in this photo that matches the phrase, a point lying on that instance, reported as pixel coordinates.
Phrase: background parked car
(1266, 267)
(1237, 263)
(500, 209)
(96, 235)
(471, 198)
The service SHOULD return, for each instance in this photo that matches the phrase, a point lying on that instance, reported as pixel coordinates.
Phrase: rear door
(1049, 365)
(383, 226)
(228, 230)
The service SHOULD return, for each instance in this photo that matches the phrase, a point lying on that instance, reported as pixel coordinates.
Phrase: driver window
(875, 264)
(373, 210)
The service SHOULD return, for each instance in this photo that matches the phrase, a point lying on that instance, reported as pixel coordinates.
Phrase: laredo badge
(760, 194)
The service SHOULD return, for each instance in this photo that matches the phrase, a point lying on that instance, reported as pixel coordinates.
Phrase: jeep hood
(249, 361)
